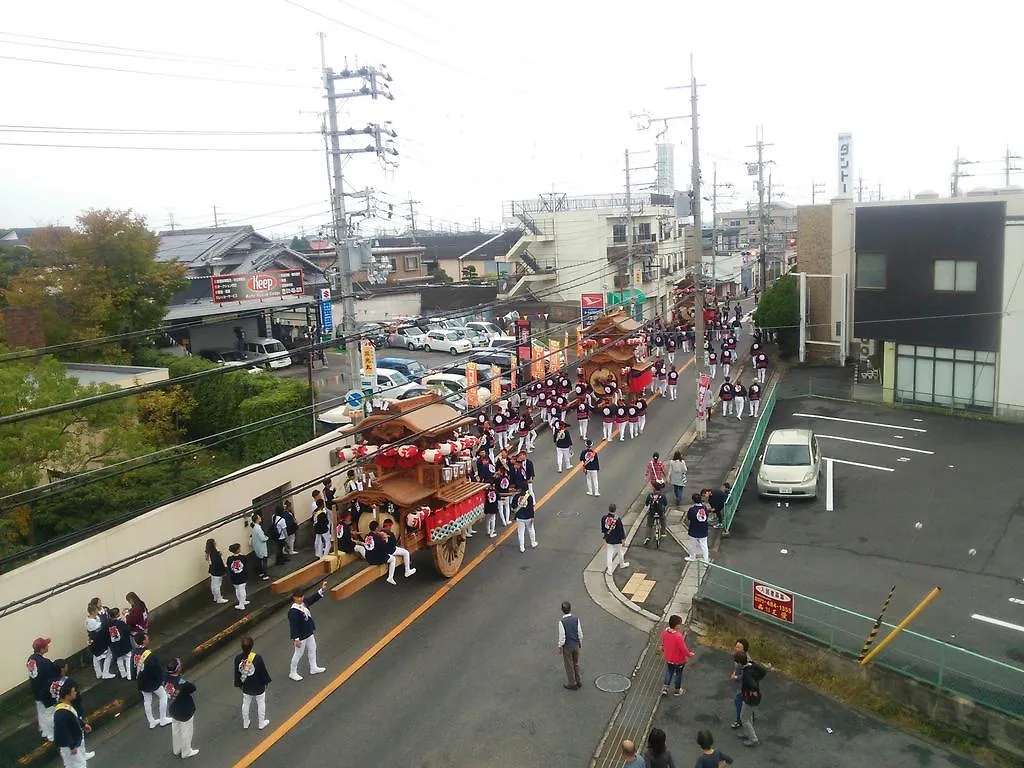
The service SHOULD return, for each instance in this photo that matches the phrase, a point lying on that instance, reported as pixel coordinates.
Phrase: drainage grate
(567, 513)
(613, 683)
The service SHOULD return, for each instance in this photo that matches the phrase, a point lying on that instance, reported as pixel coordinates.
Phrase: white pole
(830, 501)
(844, 342)
(803, 316)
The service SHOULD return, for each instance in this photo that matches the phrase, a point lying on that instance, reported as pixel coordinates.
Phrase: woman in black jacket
(217, 570)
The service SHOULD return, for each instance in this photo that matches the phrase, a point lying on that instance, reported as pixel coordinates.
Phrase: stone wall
(814, 235)
(999, 731)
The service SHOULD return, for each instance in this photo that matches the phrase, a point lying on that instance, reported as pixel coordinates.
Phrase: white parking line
(858, 464)
(1017, 600)
(830, 499)
(878, 445)
(855, 421)
(997, 622)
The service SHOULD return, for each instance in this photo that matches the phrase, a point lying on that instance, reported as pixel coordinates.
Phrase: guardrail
(732, 502)
(989, 682)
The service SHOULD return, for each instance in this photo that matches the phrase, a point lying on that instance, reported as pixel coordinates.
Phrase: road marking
(1017, 600)
(997, 622)
(859, 464)
(830, 498)
(856, 421)
(878, 445)
(296, 717)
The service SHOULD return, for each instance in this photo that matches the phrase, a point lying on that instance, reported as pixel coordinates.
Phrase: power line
(156, 149)
(172, 75)
(144, 131)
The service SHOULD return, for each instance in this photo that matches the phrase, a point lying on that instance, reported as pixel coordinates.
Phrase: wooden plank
(357, 581)
(633, 583)
(643, 591)
(299, 578)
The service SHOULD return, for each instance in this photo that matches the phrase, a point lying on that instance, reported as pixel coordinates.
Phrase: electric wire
(146, 131)
(157, 149)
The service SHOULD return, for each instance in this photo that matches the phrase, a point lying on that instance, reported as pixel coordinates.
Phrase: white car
(790, 465)
(390, 384)
(446, 341)
(502, 342)
(490, 330)
(408, 337)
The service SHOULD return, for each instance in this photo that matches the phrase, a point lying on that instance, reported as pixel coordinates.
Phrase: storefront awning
(625, 296)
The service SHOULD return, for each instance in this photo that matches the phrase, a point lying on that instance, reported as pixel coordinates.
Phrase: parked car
(412, 369)
(494, 357)
(790, 464)
(270, 353)
(445, 383)
(446, 341)
(376, 333)
(484, 327)
(390, 383)
(228, 358)
(502, 342)
(476, 337)
(409, 337)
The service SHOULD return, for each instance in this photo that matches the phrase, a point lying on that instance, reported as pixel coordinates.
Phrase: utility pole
(170, 216)
(860, 189)
(1010, 167)
(216, 219)
(629, 233)
(879, 190)
(699, 331)
(715, 186)
(412, 216)
(374, 84)
(816, 187)
(763, 249)
(958, 174)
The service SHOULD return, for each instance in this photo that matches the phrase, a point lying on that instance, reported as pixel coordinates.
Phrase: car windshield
(416, 368)
(274, 346)
(414, 392)
(445, 387)
(398, 378)
(787, 456)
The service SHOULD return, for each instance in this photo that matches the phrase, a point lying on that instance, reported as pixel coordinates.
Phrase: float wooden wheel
(448, 555)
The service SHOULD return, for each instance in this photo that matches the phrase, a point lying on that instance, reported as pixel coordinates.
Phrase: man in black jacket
(59, 685)
(182, 710)
(68, 730)
(751, 674)
(301, 627)
(41, 674)
(149, 675)
(252, 677)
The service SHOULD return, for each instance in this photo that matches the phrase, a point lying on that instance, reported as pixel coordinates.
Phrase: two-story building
(570, 246)
(935, 296)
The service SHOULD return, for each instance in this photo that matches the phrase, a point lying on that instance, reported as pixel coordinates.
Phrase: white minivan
(390, 383)
(273, 351)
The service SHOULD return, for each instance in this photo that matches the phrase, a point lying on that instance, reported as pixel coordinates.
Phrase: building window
(643, 231)
(960, 378)
(618, 233)
(871, 270)
(959, 276)
(412, 263)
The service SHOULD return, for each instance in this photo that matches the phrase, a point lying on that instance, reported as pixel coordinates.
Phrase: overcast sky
(494, 101)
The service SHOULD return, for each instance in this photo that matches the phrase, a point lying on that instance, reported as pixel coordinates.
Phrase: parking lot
(916, 500)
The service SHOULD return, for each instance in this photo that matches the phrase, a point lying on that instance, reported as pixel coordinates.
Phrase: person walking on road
(563, 445)
(591, 466)
(676, 654)
(182, 710)
(754, 398)
(61, 684)
(491, 512)
(654, 472)
(68, 730)
(217, 570)
(570, 643)
(725, 394)
(711, 757)
(239, 576)
(529, 473)
(149, 674)
(607, 422)
(614, 534)
(522, 506)
(741, 648)
(656, 754)
(673, 382)
(677, 476)
(630, 759)
(41, 674)
(252, 677)
(302, 629)
(751, 674)
(697, 530)
(761, 364)
(739, 394)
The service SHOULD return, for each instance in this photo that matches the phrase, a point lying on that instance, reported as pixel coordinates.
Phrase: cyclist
(656, 504)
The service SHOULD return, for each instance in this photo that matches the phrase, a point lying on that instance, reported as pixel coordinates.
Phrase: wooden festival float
(619, 366)
(424, 486)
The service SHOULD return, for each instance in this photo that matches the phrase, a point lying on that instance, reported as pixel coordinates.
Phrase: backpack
(752, 678)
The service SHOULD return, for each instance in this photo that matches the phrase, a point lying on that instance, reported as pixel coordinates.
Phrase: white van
(390, 383)
(273, 350)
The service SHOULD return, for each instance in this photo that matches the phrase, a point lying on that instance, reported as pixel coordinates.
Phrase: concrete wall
(1010, 362)
(158, 579)
(814, 227)
(1002, 732)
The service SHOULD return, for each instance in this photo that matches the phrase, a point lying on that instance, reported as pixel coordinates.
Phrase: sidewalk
(796, 726)
(191, 629)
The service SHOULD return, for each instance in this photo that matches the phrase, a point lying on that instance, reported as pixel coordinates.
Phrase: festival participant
(522, 505)
(591, 466)
(607, 422)
(302, 628)
(41, 674)
(563, 446)
(252, 677)
(395, 553)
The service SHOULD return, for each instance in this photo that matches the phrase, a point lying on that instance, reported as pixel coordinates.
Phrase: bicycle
(657, 531)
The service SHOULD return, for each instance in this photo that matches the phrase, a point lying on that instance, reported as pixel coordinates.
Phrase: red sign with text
(773, 601)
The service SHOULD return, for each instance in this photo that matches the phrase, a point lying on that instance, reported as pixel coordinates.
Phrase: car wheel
(454, 351)
(426, 347)
(412, 347)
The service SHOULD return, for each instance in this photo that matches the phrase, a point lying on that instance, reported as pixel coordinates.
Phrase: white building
(569, 246)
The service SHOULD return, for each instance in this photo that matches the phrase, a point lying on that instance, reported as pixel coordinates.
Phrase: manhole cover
(613, 683)
(567, 513)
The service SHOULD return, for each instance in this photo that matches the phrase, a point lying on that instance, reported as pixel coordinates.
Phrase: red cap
(41, 644)
(388, 522)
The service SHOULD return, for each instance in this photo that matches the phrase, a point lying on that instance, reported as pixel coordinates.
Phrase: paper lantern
(445, 449)
(432, 456)
(408, 452)
(390, 452)
(347, 454)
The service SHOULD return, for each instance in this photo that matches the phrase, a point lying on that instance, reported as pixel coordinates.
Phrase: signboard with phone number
(272, 284)
(773, 601)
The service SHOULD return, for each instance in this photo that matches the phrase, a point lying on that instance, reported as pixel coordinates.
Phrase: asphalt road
(476, 680)
(920, 500)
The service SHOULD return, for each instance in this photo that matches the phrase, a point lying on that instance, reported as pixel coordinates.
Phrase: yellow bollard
(901, 626)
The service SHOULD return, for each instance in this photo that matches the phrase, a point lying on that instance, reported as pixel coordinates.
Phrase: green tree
(299, 244)
(469, 272)
(99, 279)
(779, 309)
(59, 444)
(441, 276)
(12, 261)
(165, 414)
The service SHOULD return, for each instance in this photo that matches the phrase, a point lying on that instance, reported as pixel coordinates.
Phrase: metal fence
(732, 502)
(986, 681)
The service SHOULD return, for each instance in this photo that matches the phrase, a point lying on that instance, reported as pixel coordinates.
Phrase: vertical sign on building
(472, 398)
(844, 179)
(326, 315)
(591, 307)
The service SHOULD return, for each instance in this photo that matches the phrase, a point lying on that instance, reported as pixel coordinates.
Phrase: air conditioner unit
(866, 348)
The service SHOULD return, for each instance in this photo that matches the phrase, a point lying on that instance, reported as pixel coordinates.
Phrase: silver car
(790, 465)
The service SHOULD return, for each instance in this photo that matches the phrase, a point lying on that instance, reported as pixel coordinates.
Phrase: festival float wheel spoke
(448, 555)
